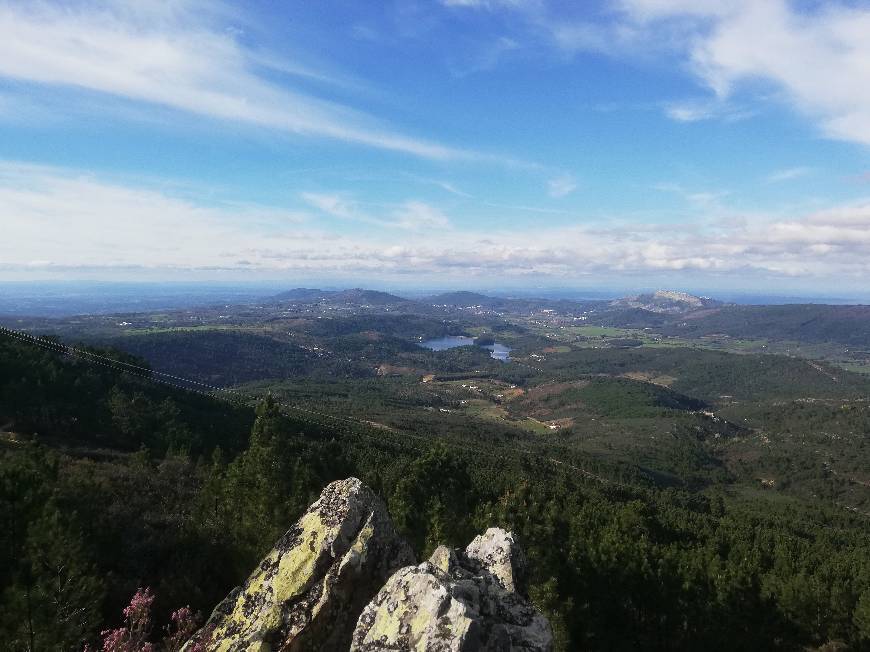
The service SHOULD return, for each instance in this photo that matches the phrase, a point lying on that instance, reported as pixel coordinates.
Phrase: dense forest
(111, 482)
(846, 325)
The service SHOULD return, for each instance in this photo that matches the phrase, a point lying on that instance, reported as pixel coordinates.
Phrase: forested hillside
(188, 500)
(846, 325)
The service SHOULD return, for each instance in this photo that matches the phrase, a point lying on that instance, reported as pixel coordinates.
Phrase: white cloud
(815, 56)
(51, 214)
(411, 215)
(705, 200)
(178, 55)
(485, 4)
(788, 174)
(449, 187)
(487, 58)
(583, 36)
(561, 186)
(653, 9)
(332, 205)
(78, 221)
(418, 215)
(689, 112)
(698, 110)
(818, 58)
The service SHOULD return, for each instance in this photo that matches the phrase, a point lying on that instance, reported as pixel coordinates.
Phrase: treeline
(846, 325)
(76, 401)
(227, 358)
(708, 375)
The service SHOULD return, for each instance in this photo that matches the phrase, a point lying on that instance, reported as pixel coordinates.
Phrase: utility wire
(225, 393)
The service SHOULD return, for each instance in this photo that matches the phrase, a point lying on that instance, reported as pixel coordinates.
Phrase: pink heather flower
(132, 637)
(139, 608)
(183, 624)
(182, 617)
(115, 640)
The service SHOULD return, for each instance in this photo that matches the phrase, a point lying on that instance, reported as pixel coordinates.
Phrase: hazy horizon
(67, 298)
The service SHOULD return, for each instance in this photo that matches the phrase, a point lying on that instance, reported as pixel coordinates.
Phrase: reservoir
(499, 351)
(496, 351)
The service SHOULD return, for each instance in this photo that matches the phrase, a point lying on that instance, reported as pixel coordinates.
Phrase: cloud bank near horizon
(53, 219)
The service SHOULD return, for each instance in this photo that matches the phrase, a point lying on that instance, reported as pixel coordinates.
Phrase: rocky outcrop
(331, 584)
(499, 553)
(307, 593)
(457, 601)
(667, 302)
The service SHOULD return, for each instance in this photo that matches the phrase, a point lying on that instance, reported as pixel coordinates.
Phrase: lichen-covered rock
(458, 601)
(499, 553)
(307, 593)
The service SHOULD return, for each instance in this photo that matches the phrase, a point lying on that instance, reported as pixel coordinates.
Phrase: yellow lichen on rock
(280, 577)
(458, 601)
(340, 579)
(307, 591)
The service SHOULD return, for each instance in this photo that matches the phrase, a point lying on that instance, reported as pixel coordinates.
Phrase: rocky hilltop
(456, 601)
(666, 301)
(342, 579)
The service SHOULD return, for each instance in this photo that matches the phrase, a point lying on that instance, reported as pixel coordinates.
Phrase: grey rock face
(458, 601)
(498, 552)
(308, 591)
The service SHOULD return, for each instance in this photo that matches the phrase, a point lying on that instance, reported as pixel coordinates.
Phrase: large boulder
(458, 601)
(308, 591)
(499, 553)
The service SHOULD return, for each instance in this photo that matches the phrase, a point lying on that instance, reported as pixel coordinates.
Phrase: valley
(606, 422)
(582, 378)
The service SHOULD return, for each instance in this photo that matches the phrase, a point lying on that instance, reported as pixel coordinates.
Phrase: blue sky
(456, 143)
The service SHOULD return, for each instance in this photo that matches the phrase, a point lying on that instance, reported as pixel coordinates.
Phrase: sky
(450, 143)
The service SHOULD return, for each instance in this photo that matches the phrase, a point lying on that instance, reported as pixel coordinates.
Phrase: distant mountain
(356, 296)
(667, 301)
(511, 304)
(301, 294)
(686, 315)
(366, 297)
(461, 299)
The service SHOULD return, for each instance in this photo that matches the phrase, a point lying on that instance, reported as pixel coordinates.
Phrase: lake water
(499, 351)
(449, 342)
(496, 351)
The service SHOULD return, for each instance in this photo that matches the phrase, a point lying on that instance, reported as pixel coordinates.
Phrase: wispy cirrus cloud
(487, 58)
(706, 200)
(446, 186)
(561, 186)
(189, 56)
(485, 4)
(788, 174)
(410, 215)
(181, 56)
(689, 112)
(699, 110)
